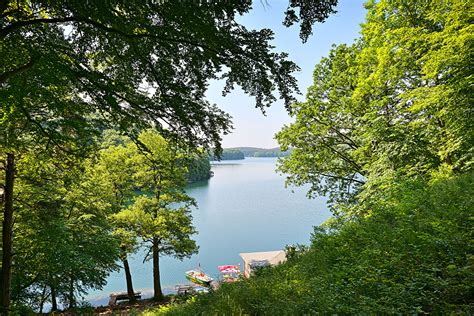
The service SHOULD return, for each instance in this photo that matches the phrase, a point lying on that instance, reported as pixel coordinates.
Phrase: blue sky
(251, 127)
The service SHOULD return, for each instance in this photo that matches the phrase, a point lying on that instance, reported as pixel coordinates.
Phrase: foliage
(65, 61)
(199, 167)
(76, 218)
(229, 154)
(413, 255)
(109, 176)
(161, 218)
(396, 102)
(386, 131)
(64, 244)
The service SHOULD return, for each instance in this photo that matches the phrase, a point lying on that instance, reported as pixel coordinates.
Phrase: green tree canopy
(161, 217)
(109, 176)
(64, 246)
(396, 102)
(136, 63)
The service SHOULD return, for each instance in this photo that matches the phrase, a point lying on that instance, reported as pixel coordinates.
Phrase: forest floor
(120, 309)
(128, 309)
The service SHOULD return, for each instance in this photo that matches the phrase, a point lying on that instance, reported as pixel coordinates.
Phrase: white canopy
(272, 257)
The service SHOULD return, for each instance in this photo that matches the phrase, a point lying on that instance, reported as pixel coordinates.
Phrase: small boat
(229, 273)
(198, 277)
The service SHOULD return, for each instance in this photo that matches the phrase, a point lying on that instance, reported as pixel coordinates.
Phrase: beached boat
(198, 277)
(229, 273)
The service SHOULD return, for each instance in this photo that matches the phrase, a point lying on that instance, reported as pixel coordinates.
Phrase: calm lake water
(244, 207)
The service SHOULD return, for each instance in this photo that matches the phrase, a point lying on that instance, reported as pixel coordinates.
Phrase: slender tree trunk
(54, 303)
(156, 272)
(43, 299)
(128, 277)
(7, 236)
(72, 300)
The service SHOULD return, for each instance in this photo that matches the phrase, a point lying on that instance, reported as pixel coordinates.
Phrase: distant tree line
(199, 168)
(270, 153)
(228, 154)
(242, 152)
(263, 152)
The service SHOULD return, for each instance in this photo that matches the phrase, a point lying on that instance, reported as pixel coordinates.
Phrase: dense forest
(199, 167)
(386, 132)
(96, 211)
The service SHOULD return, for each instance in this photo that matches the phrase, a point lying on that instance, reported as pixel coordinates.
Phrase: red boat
(229, 273)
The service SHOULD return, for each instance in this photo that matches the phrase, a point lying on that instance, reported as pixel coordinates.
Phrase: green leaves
(327, 146)
(62, 235)
(163, 213)
(393, 103)
(137, 65)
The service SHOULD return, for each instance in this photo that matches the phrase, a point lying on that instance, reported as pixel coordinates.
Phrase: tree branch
(341, 155)
(8, 74)
(19, 24)
(3, 5)
(339, 177)
(351, 142)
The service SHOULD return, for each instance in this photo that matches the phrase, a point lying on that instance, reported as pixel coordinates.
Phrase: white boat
(198, 277)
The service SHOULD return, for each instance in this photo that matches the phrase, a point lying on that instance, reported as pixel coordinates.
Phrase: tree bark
(72, 299)
(54, 303)
(7, 236)
(43, 299)
(156, 272)
(128, 277)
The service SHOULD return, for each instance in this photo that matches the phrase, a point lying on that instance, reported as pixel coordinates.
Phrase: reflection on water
(244, 207)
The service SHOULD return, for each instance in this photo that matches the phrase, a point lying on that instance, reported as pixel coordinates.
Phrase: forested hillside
(199, 167)
(228, 154)
(263, 152)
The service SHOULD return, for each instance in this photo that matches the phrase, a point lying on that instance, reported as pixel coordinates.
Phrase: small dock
(114, 297)
(184, 289)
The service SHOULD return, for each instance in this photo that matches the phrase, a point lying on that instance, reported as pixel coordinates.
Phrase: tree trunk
(156, 272)
(43, 299)
(128, 277)
(7, 236)
(72, 300)
(54, 303)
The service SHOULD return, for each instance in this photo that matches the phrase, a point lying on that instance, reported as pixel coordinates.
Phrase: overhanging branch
(19, 24)
(4, 76)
